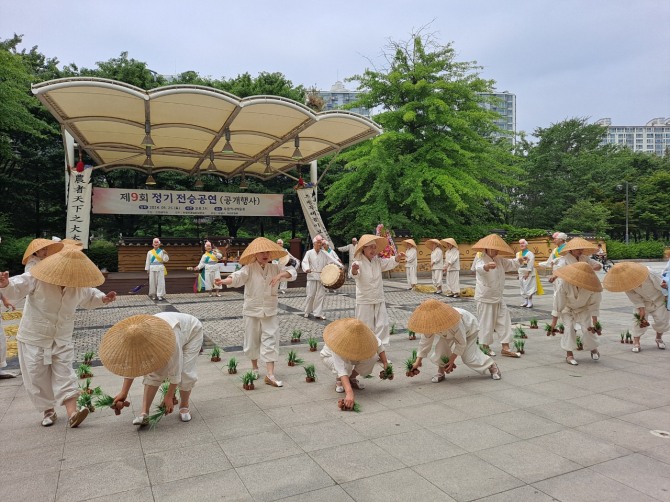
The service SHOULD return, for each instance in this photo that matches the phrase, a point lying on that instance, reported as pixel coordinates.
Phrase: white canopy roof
(188, 125)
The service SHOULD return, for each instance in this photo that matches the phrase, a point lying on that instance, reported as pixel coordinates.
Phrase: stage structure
(191, 129)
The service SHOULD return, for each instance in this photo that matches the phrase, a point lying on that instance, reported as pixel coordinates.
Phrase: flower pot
(232, 371)
(291, 363)
(312, 349)
(293, 340)
(215, 359)
(310, 379)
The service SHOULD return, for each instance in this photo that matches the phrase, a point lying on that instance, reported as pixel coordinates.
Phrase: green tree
(435, 165)
(585, 216)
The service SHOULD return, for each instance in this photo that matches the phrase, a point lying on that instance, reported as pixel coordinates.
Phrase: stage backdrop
(129, 201)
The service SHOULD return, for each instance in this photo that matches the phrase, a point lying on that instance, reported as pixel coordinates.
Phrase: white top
(574, 300)
(456, 336)
(32, 261)
(437, 259)
(527, 268)
(649, 294)
(410, 257)
(369, 284)
(452, 260)
(344, 367)
(212, 263)
(153, 262)
(186, 328)
(260, 299)
(489, 285)
(351, 249)
(314, 262)
(48, 315)
(569, 259)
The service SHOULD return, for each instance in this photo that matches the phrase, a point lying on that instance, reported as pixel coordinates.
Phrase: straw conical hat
(261, 245)
(350, 339)
(37, 244)
(580, 274)
(410, 242)
(432, 317)
(451, 241)
(69, 268)
(137, 346)
(579, 243)
(72, 242)
(625, 276)
(369, 239)
(493, 241)
(434, 241)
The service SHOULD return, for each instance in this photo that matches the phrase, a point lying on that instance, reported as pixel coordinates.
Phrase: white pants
(410, 272)
(3, 347)
(363, 368)
(437, 278)
(261, 338)
(376, 318)
(452, 282)
(189, 375)
(157, 280)
(283, 285)
(494, 318)
(473, 357)
(211, 273)
(660, 321)
(527, 286)
(569, 338)
(316, 293)
(48, 375)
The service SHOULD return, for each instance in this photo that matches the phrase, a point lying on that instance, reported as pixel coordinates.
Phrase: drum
(332, 276)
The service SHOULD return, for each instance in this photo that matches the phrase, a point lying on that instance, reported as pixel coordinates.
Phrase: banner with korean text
(185, 203)
(79, 206)
(310, 209)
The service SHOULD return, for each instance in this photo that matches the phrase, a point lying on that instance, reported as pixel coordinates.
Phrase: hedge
(653, 250)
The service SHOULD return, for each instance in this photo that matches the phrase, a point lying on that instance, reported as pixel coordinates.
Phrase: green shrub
(104, 254)
(650, 250)
(11, 253)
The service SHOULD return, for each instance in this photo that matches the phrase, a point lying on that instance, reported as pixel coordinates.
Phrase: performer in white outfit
(53, 289)
(350, 350)
(559, 239)
(312, 264)
(37, 250)
(260, 279)
(645, 290)
(155, 267)
(411, 262)
(527, 283)
(367, 271)
(210, 263)
(160, 347)
(351, 249)
(436, 263)
(455, 333)
(452, 267)
(290, 260)
(577, 300)
(492, 311)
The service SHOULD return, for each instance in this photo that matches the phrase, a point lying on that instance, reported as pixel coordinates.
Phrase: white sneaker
(184, 416)
(339, 389)
(306, 316)
(141, 420)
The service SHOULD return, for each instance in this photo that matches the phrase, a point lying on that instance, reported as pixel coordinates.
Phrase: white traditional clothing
(261, 327)
(527, 284)
(32, 261)
(351, 249)
(410, 266)
(649, 295)
(569, 259)
(554, 256)
(154, 265)
(491, 309)
(283, 285)
(437, 267)
(345, 367)
(452, 267)
(461, 340)
(370, 304)
(210, 262)
(577, 306)
(46, 350)
(314, 263)
(3, 344)
(181, 368)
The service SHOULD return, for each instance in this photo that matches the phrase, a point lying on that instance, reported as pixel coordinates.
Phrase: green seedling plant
(313, 344)
(598, 327)
(85, 400)
(519, 332)
(293, 358)
(392, 329)
(387, 373)
(216, 354)
(296, 335)
(232, 366)
(579, 343)
(411, 335)
(248, 380)
(310, 373)
(640, 320)
(533, 324)
(561, 327)
(84, 371)
(88, 357)
(356, 407)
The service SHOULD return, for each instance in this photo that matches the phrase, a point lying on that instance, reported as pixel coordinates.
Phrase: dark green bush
(651, 250)
(104, 254)
(11, 254)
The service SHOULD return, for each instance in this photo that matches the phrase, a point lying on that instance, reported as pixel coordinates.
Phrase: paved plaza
(546, 431)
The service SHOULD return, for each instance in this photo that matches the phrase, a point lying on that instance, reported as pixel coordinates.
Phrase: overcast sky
(562, 58)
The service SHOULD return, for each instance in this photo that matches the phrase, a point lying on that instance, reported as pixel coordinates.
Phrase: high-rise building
(505, 107)
(338, 96)
(653, 137)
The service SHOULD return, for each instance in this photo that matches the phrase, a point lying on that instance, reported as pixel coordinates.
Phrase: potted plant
(517, 344)
(86, 388)
(486, 350)
(313, 344)
(444, 360)
(104, 401)
(295, 336)
(392, 329)
(232, 366)
(409, 366)
(629, 337)
(387, 373)
(310, 373)
(411, 335)
(248, 380)
(84, 371)
(640, 321)
(548, 329)
(356, 408)
(519, 332)
(85, 400)
(293, 358)
(580, 346)
(561, 327)
(216, 354)
(623, 336)
(533, 323)
(522, 346)
(598, 328)
(88, 357)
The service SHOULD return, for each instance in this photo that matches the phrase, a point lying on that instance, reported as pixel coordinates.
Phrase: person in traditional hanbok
(646, 291)
(410, 262)
(289, 259)
(154, 265)
(527, 281)
(260, 278)
(452, 267)
(37, 250)
(161, 347)
(436, 263)
(490, 268)
(312, 264)
(450, 332)
(367, 271)
(351, 249)
(578, 300)
(209, 270)
(53, 289)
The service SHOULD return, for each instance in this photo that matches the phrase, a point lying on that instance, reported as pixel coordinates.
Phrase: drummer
(367, 271)
(312, 264)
